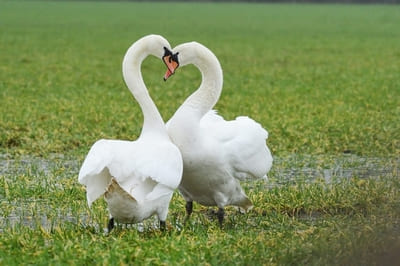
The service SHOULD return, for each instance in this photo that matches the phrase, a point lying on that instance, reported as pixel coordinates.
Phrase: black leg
(189, 208)
(220, 214)
(162, 226)
(110, 225)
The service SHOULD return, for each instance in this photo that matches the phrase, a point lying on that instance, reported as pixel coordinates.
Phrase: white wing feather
(128, 161)
(244, 143)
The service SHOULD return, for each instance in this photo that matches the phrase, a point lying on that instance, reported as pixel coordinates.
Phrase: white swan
(216, 154)
(138, 177)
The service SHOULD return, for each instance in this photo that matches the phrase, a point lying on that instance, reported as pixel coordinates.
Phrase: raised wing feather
(128, 161)
(243, 141)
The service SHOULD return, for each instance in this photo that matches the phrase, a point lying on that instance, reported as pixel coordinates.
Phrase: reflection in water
(286, 170)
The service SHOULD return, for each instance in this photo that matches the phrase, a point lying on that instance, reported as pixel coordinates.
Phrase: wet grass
(45, 220)
(323, 79)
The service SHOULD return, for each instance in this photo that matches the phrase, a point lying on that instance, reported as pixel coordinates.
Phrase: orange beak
(171, 61)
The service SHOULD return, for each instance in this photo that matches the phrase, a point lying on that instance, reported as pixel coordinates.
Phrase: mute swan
(216, 154)
(138, 177)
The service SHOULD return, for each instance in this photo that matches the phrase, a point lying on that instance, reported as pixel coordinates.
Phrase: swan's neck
(207, 95)
(131, 65)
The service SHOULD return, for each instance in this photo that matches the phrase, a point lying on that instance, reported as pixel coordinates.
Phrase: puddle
(21, 214)
(34, 213)
(33, 165)
(309, 168)
(39, 214)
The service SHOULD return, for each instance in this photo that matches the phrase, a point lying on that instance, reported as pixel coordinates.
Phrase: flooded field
(59, 175)
(308, 168)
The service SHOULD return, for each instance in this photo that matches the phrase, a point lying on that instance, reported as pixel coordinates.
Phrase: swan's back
(243, 142)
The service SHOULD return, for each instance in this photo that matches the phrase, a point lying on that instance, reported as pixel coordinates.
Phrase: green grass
(46, 221)
(322, 79)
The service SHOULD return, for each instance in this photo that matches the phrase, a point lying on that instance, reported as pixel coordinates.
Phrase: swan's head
(188, 53)
(171, 61)
(148, 45)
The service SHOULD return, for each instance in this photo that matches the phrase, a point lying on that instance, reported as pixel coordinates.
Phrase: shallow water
(308, 168)
(36, 213)
(28, 165)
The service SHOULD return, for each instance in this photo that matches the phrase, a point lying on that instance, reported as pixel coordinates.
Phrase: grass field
(324, 80)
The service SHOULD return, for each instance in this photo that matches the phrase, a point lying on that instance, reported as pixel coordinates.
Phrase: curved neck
(207, 95)
(131, 65)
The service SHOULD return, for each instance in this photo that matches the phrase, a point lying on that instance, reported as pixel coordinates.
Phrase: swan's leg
(162, 226)
(220, 214)
(189, 208)
(110, 225)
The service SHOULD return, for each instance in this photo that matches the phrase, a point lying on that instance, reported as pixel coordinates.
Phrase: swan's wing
(244, 143)
(162, 163)
(127, 162)
(94, 173)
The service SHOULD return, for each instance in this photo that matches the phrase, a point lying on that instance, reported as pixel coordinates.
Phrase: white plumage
(217, 154)
(137, 177)
(242, 143)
